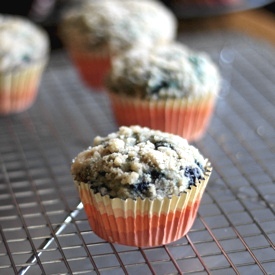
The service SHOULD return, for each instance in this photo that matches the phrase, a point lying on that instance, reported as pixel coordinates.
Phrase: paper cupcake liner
(18, 89)
(142, 222)
(92, 67)
(187, 118)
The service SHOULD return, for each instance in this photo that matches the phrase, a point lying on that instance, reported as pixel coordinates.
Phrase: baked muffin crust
(139, 162)
(22, 42)
(117, 25)
(164, 72)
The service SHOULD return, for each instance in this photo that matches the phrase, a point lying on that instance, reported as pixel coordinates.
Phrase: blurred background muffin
(169, 87)
(95, 31)
(24, 52)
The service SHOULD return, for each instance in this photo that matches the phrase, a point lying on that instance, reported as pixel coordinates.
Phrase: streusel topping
(21, 42)
(139, 162)
(167, 71)
(117, 25)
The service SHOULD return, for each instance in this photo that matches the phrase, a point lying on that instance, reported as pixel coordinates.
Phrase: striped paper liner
(92, 67)
(19, 88)
(142, 222)
(187, 118)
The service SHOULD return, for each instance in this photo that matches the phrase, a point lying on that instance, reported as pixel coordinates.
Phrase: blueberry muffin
(24, 52)
(97, 30)
(171, 88)
(145, 182)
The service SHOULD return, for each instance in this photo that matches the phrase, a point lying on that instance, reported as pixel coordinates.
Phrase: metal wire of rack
(42, 225)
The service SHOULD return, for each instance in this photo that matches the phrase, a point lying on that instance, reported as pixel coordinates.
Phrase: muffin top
(166, 71)
(139, 162)
(22, 42)
(116, 25)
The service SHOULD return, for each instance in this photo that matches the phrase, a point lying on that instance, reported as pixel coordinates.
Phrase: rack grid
(43, 227)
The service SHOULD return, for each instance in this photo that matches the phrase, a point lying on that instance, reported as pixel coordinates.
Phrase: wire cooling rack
(43, 227)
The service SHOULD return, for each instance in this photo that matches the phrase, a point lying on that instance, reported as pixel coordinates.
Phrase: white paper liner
(18, 89)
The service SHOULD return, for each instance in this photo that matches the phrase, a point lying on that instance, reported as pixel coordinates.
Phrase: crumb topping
(139, 162)
(167, 71)
(22, 42)
(117, 24)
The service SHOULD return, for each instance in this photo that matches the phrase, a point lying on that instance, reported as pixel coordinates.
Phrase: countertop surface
(43, 228)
